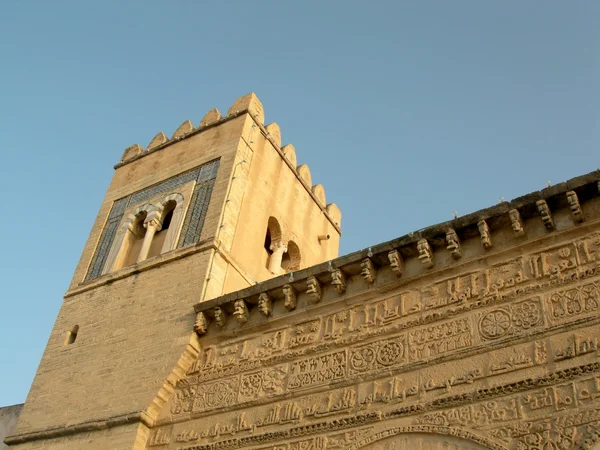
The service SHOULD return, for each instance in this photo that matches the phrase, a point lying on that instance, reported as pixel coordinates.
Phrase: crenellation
(290, 154)
(274, 134)
(157, 140)
(304, 173)
(319, 192)
(131, 152)
(250, 103)
(183, 129)
(210, 117)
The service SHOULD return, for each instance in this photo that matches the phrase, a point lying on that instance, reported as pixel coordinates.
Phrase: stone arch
(292, 258)
(274, 245)
(128, 238)
(425, 437)
(166, 239)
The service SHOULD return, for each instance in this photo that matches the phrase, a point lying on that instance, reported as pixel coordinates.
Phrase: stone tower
(214, 209)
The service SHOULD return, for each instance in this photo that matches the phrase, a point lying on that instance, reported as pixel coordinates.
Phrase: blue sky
(404, 111)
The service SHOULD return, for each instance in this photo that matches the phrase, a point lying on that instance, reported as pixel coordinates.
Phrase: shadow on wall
(8, 421)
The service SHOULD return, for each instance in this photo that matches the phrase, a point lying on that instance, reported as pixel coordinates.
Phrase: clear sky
(405, 111)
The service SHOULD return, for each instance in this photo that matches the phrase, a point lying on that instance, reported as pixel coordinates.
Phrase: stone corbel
(290, 297)
(265, 304)
(240, 311)
(201, 324)
(368, 270)
(516, 222)
(453, 243)
(546, 215)
(396, 262)
(425, 253)
(220, 316)
(486, 236)
(575, 206)
(314, 289)
(338, 281)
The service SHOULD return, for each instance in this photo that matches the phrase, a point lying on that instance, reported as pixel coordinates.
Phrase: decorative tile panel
(204, 175)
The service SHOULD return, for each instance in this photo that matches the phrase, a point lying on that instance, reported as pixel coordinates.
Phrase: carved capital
(516, 223)
(546, 215)
(201, 324)
(453, 243)
(425, 253)
(575, 206)
(220, 316)
(265, 304)
(240, 311)
(291, 300)
(314, 289)
(278, 247)
(368, 270)
(486, 236)
(153, 221)
(338, 281)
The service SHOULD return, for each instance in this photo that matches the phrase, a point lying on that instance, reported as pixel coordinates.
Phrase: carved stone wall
(495, 352)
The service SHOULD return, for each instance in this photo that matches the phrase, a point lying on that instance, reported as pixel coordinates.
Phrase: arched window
(156, 248)
(291, 259)
(133, 239)
(274, 245)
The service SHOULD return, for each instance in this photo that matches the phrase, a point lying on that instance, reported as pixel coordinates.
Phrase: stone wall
(8, 421)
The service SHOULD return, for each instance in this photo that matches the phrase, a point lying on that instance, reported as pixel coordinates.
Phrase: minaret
(212, 210)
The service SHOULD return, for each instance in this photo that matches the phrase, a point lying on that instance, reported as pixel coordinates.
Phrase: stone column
(275, 259)
(152, 225)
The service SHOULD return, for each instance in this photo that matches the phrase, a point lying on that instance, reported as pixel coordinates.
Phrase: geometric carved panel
(204, 176)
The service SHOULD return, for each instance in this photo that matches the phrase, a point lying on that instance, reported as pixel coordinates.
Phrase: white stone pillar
(152, 225)
(275, 259)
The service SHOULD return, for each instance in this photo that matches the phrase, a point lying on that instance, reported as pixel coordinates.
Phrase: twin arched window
(281, 255)
(151, 229)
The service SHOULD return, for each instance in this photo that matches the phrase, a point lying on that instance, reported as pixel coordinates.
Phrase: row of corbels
(368, 270)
